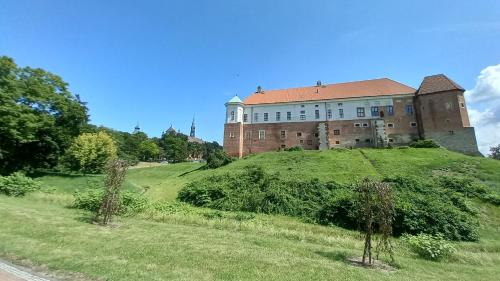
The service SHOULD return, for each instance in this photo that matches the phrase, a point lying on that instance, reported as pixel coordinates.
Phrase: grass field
(40, 229)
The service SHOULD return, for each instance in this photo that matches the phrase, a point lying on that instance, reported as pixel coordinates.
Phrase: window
(299, 134)
(231, 134)
(266, 116)
(278, 116)
(390, 125)
(262, 134)
(309, 142)
(462, 105)
(413, 124)
(302, 112)
(283, 135)
(248, 135)
(409, 109)
(336, 132)
(289, 116)
(368, 140)
(245, 117)
(361, 111)
(337, 142)
(391, 140)
(316, 134)
(340, 104)
(232, 115)
(390, 110)
(283, 146)
(356, 140)
(329, 114)
(375, 112)
(301, 141)
(301, 105)
(341, 113)
(316, 105)
(451, 132)
(316, 114)
(365, 125)
(256, 117)
(302, 117)
(357, 125)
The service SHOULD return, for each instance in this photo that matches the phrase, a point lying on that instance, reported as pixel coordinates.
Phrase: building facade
(371, 113)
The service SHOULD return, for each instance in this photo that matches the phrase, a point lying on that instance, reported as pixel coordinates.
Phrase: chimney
(259, 89)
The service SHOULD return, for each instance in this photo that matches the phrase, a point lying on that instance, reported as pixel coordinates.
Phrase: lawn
(40, 229)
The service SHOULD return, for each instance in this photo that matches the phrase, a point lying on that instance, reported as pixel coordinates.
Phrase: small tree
(376, 207)
(115, 175)
(148, 149)
(90, 152)
(495, 152)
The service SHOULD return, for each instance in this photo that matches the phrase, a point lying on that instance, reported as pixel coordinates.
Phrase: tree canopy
(90, 152)
(39, 117)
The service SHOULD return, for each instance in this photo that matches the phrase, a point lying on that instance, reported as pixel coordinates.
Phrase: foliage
(17, 184)
(424, 144)
(495, 152)
(175, 146)
(148, 150)
(90, 199)
(39, 117)
(110, 204)
(90, 152)
(420, 206)
(432, 247)
(294, 148)
(217, 159)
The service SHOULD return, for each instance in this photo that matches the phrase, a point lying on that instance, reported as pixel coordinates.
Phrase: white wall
(238, 113)
(349, 105)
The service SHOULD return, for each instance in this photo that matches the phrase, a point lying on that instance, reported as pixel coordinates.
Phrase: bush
(421, 207)
(17, 184)
(217, 159)
(294, 148)
(90, 200)
(429, 247)
(424, 144)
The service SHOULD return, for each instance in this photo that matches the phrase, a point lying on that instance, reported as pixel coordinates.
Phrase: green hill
(187, 243)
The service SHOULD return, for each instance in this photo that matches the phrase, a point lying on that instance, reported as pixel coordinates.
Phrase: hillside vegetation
(175, 241)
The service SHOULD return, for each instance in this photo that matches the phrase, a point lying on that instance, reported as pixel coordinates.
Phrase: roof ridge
(339, 83)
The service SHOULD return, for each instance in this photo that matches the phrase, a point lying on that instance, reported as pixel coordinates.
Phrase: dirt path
(11, 273)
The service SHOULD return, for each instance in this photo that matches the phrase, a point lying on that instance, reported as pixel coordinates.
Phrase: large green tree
(175, 146)
(149, 150)
(39, 117)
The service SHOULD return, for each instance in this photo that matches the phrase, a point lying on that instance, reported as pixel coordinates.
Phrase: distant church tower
(193, 129)
(137, 129)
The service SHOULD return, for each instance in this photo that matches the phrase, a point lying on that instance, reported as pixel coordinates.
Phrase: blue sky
(161, 62)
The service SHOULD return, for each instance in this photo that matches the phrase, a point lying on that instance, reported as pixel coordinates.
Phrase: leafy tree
(495, 152)
(39, 117)
(148, 149)
(195, 150)
(217, 159)
(175, 146)
(90, 152)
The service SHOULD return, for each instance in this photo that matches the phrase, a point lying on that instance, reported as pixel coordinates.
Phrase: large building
(371, 113)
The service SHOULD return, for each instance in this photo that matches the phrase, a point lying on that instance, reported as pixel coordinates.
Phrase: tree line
(43, 125)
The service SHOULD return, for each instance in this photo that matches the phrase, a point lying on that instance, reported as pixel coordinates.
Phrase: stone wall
(461, 140)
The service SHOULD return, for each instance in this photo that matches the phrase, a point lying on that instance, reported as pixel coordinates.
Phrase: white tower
(234, 110)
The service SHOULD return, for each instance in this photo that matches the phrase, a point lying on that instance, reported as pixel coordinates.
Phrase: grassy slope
(268, 247)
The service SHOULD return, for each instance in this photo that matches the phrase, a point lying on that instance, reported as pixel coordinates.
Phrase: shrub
(429, 246)
(294, 148)
(90, 200)
(424, 144)
(217, 159)
(17, 184)
(420, 206)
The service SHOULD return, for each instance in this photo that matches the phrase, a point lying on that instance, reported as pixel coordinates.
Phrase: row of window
(389, 125)
(375, 112)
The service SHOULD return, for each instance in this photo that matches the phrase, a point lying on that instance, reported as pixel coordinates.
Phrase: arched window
(232, 115)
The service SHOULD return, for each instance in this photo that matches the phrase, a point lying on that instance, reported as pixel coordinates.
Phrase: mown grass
(198, 248)
(158, 245)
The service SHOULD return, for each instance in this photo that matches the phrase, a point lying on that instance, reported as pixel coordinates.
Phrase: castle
(370, 113)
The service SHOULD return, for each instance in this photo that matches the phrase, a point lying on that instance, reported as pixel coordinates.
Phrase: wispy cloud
(484, 107)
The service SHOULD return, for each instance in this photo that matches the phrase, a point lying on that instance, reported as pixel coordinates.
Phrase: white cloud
(484, 108)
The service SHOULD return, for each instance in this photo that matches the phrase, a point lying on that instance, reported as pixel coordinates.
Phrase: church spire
(137, 129)
(193, 129)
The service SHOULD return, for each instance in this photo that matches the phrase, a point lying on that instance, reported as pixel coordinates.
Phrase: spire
(137, 129)
(193, 129)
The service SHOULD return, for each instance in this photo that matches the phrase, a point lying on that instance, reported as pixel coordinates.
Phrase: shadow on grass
(38, 174)
(334, 255)
(192, 171)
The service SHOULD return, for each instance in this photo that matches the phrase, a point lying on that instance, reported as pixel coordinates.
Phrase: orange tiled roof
(366, 88)
(438, 83)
